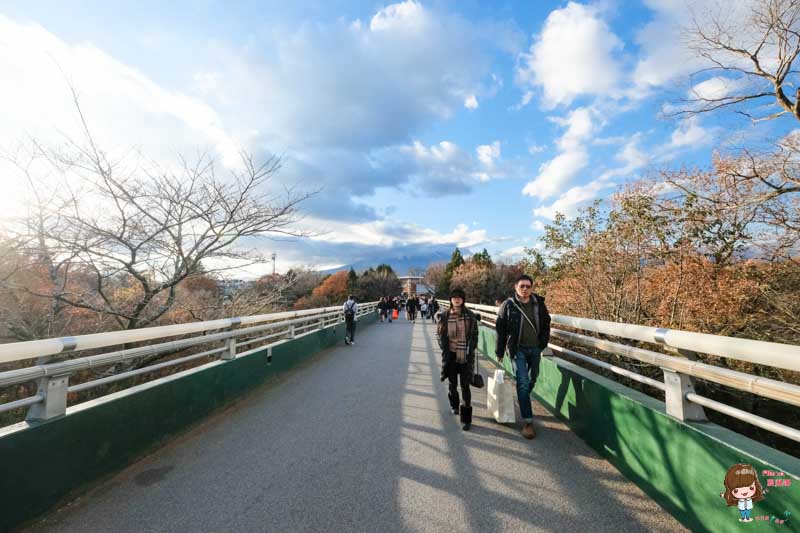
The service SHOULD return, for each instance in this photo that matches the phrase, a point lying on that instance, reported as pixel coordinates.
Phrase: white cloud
(443, 168)
(537, 225)
(536, 148)
(328, 95)
(580, 126)
(631, 155)
(526, 98)
(690, 133)
(569, 202)
(664, 56)
(389, 233)
(511, 255)
(402, 17)
(575, 54)
(555, 174)
(122, 105)
(632, 158)
(488, 154)
(716, 88)
(375, 83)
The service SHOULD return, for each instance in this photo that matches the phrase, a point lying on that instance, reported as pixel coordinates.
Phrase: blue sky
(425, 124)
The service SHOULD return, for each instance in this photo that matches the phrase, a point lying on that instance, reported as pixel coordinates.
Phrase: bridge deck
(360, 439)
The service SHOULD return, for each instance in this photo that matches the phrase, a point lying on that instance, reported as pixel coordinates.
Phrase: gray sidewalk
(360, 438)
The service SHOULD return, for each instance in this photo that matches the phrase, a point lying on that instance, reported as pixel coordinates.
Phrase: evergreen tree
(383, 267)
(483, 259)
(456, 260)
(352, 280)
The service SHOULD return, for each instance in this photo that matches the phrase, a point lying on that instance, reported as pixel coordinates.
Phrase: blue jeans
(527, 370)
(745, 513)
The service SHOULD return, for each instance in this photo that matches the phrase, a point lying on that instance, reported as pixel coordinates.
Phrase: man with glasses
(523, 325)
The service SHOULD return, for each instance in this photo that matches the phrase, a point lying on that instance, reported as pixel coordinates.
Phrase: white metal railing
(52, 377)
(680, 369)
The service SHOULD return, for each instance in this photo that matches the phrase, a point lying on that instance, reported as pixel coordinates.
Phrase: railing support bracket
(677, 386)
(54, 391)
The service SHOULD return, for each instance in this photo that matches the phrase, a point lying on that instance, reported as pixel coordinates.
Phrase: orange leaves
(334, 289)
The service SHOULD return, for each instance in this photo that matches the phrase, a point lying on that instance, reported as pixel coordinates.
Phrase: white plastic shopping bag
(500, 398)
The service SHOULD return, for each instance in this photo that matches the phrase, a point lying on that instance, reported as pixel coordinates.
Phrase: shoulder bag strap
(528, 320)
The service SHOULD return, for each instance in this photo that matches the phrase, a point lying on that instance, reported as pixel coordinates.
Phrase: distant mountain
(401, 264)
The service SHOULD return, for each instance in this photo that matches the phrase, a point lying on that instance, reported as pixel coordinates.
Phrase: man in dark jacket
(458, 338)
(383, 308)
(411, 308)
(433, 309)
(523, 325)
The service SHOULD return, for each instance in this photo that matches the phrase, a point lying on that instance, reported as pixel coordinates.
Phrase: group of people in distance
(522, 327)
(424, 306)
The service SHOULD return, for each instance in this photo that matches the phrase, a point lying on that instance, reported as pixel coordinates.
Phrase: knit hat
(458, 292)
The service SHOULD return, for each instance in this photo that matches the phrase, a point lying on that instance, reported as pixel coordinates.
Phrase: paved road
(360, 439)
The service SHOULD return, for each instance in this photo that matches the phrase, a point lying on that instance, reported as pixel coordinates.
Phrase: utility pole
(274, 255)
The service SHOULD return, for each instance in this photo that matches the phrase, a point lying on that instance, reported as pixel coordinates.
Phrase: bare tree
(138, 232)
(750, 199)
(434, 276)
(754, 44)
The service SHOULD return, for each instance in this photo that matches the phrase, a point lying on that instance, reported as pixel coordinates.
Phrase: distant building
(413, 285)
(228, 287)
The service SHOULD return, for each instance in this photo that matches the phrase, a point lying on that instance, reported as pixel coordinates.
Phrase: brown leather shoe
(528, 432)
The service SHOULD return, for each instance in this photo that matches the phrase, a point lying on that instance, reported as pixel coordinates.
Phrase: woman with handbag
(458, 338)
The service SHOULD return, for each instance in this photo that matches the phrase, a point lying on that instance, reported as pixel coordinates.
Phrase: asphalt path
(360, 438)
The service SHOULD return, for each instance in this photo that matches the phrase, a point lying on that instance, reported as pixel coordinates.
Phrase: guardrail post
(230, 344)
(677, 385)
(54, 391)
(291, 332)
(230, 350)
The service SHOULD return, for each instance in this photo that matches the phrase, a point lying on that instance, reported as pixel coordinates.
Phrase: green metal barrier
(43, 463)
(680, 465)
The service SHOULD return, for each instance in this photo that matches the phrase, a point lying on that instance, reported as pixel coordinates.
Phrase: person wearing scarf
(457, 332)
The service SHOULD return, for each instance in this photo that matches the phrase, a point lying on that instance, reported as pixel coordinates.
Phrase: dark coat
(411, 305)
(448, 357)
(508, 325)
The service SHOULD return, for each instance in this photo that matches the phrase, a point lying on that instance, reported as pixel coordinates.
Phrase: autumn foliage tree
(483, 281)
(333, 290)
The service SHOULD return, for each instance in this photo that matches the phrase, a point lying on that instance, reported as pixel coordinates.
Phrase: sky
(424, 125)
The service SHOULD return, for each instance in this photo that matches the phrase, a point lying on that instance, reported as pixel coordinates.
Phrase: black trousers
(459, 372)
(350, 327)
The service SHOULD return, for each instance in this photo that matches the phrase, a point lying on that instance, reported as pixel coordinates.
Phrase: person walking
(434, 309)
(383, 307)
(457, 333)
(523, 325)
(350, 309)
(411, 308)
(423, 309)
